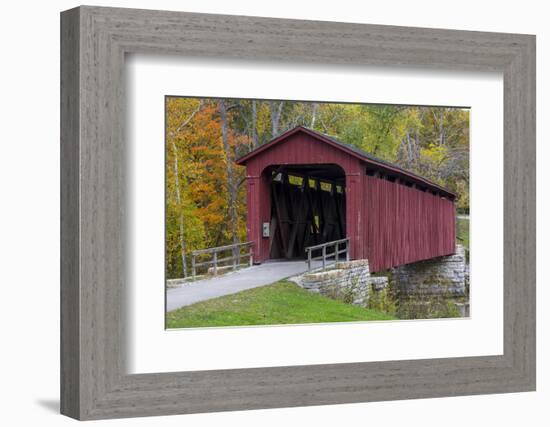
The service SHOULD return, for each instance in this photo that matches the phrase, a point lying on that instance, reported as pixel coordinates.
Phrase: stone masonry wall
(433, 288)
(348, 281)
(437, 276)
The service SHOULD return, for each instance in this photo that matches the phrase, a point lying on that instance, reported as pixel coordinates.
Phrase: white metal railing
(234, 259)
(326, 255)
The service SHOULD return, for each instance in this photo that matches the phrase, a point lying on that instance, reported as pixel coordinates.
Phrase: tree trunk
(275, 116)
(178, 200)
(440, 127)
(254, 132)
(314, 115)
(409, 149)
(232, 202)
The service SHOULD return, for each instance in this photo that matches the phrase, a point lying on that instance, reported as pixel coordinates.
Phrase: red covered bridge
(306, 188)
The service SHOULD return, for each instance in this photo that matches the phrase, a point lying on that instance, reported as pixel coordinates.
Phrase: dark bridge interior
(308, 207)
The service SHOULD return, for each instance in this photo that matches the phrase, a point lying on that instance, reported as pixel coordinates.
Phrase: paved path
(230, 283)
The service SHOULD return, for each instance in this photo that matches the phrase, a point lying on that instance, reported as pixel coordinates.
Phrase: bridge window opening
(326, 186)
(295, 180)
(315, 224)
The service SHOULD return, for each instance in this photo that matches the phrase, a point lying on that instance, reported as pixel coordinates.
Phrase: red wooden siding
(405, 225)
(387, 222)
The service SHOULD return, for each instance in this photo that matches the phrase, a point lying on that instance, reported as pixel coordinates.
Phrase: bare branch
(188, 120)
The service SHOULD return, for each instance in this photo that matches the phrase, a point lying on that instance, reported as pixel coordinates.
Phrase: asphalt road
(231, 283)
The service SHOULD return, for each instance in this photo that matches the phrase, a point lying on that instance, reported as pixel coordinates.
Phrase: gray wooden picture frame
(94, 382)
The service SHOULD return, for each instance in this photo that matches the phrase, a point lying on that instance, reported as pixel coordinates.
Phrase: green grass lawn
(280, 303)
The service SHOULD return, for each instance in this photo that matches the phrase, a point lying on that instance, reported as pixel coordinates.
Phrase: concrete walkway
(231, 283)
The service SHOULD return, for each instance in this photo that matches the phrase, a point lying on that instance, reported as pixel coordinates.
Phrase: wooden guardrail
(234, 259)
(326, 255)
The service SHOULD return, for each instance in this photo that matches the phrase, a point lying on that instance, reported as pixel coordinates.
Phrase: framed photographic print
(262, 213)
